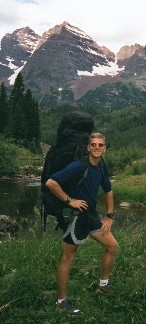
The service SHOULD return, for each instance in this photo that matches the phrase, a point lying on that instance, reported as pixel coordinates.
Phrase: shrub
(137, 168)
(8, 157)
(118, 160)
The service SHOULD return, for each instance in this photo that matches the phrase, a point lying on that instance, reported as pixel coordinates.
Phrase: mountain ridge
(64, 64)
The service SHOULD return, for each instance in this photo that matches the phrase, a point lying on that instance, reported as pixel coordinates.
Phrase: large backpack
(71, 144)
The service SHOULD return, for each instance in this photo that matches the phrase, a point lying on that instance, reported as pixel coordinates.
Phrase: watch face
(69, 199)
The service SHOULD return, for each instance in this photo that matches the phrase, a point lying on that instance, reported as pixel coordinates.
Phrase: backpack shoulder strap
(102, 161)
(85, 164)
(104, 169)
(83, 175)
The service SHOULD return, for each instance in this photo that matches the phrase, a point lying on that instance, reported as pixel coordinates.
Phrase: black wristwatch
(110, 215)
(68, 200)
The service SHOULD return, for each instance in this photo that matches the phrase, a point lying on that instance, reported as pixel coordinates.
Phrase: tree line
(19, 113)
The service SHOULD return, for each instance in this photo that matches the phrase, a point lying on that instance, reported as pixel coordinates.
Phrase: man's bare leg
(69, 253)
(111, 246)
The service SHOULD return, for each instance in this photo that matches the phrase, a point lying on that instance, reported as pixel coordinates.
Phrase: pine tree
(19, 125)
(24, 120)
(3, 109)
(32, 119)
(36, 122)
(16, 105)
(18, 89)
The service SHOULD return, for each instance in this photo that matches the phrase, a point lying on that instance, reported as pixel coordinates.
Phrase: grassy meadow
(28, 280)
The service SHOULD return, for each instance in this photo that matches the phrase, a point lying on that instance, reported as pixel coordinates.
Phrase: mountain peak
(57, 29)
(65, 57)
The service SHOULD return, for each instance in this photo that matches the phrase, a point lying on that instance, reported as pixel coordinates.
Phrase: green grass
(27, 158)
(28, 269)
(29, 162)
(131, 189)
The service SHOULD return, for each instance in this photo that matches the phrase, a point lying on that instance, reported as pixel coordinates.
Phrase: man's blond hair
(96, 135)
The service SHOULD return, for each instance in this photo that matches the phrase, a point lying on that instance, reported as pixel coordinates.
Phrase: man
(86, 221)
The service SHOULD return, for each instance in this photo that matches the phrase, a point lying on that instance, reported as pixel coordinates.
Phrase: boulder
(7, 225)
(124, 204)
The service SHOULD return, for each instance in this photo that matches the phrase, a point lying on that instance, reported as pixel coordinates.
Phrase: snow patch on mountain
(77, 31)
(112, 70)
(16, 70)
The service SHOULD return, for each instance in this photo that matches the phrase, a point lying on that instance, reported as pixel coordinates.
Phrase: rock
(45, 148)
(7, 225)
(124, 204)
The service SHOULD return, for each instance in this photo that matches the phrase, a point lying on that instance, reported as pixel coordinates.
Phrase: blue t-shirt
(89, 187)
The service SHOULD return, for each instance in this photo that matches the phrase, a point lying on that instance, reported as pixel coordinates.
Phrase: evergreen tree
(18, 89)
(3, 109)
(20, 115)
(37, 126)
(16, 100)
(31, 112)
(19, 125)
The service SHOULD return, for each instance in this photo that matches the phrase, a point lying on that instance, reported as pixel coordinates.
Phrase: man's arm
(56, 189)
(108, 221)
(109, 202)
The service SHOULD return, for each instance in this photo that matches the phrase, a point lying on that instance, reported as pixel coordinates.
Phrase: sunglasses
(97, 144)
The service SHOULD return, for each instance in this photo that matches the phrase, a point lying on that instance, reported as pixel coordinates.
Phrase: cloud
(111, 23)
(27, 1)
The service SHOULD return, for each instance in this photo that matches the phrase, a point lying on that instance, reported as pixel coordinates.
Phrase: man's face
(96, 147)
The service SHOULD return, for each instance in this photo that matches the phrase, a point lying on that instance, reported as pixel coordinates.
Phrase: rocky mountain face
(133, 58)
(65, 64)
(16, 49)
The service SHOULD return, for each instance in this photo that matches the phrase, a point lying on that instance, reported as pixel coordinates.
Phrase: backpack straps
(104, 168)
(43, 217)
(83, 175)
(85, 164)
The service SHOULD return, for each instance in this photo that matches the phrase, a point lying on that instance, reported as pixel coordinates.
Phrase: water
(21, 199)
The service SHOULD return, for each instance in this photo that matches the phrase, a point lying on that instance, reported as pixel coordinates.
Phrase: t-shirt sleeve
(72, 171)
(106, 182)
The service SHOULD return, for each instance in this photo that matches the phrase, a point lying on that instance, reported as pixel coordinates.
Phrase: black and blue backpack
(71, 144)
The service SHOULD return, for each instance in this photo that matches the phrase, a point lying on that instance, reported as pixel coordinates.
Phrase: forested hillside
(122, 127)
(27, 124)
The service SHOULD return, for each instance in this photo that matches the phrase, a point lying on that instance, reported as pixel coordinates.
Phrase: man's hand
(79, 204)
(106, 227)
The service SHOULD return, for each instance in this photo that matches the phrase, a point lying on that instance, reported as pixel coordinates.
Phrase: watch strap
(110, 215)
(68, 200)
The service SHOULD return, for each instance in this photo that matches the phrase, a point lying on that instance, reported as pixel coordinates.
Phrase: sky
(110, 23)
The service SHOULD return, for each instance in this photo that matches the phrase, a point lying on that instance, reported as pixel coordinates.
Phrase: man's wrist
(68, 200)
(110, 215)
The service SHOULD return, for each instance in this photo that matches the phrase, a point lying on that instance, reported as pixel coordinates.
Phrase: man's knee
(113, 246)
(68, 259)
(69, 253)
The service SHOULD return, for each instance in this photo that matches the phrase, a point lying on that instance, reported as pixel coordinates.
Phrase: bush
(118, 160)
(8, 157)
(137, 168)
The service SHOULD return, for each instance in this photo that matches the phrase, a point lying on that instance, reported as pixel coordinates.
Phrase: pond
(21, 200)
